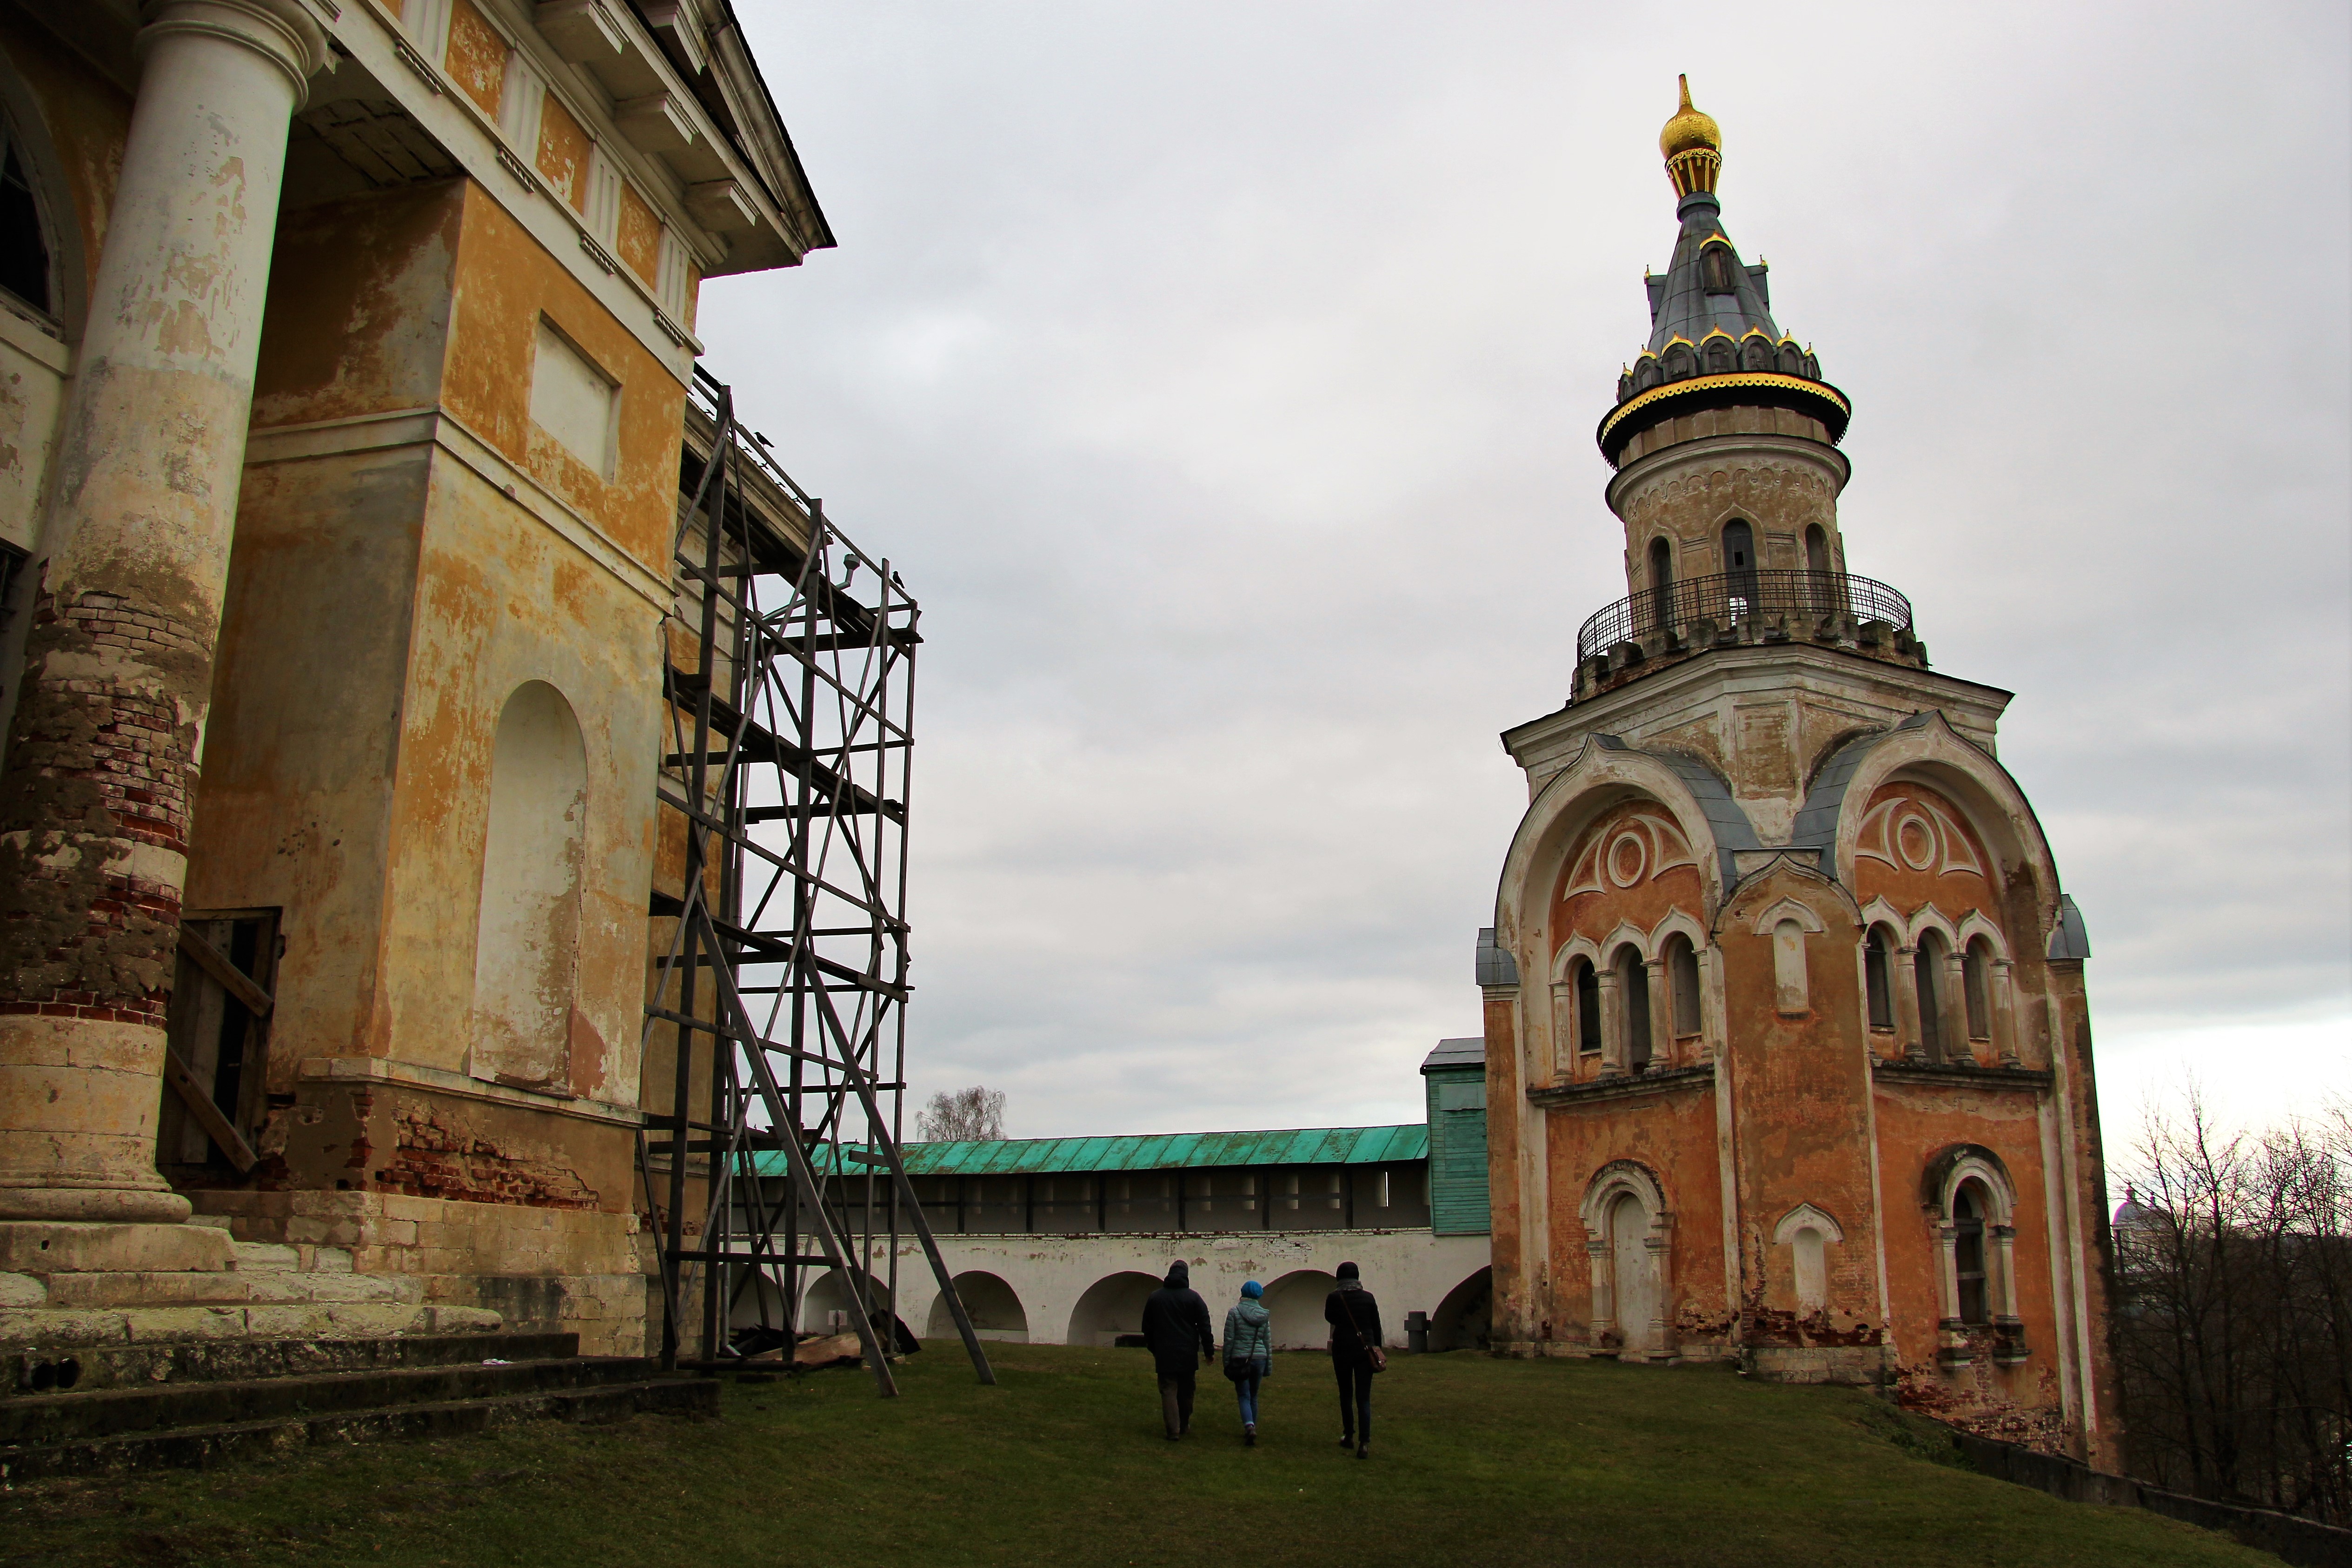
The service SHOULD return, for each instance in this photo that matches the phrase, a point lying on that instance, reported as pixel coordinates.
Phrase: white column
(1662, 1014)
(1906, 1002)
(2004, 1014)
(1613, 1023)
(119, 660)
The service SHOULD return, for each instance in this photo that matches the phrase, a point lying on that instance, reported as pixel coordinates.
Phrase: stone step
(205, 1447)
(100, 1367)
(45, 1420)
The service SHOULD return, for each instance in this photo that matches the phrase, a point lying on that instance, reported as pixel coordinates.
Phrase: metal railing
(1729, 598)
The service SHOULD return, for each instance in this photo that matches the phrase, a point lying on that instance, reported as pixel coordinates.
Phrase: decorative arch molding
(1679, 921)
(1769, 917)
(1630, 1271)
(1575, 947)
(1806, 1217)
(1606, 773)
(1975, 924)
(1879, 912)
(1927, 918)
(1628, 934)
(1958, 1163)
(1926, 750)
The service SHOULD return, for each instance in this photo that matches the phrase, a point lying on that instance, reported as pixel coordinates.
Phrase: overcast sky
(1223, 379)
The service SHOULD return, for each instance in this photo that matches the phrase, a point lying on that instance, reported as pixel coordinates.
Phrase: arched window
(24, 251)
(1662, 583)
(1976, 986)
(1587, 1008)
(1878, 980)
(1682, 984)
(1717, 273)
(1968, 1270)
(528, 939)
(1633, 1005)
(1739, 565)
(1928, 970)
(1817, 549)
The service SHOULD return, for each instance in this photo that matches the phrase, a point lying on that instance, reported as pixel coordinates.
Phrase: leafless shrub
(2234, 1323)
(974, 1112)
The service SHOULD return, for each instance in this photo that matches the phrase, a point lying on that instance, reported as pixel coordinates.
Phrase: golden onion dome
(1691, 145)
(1689, 130)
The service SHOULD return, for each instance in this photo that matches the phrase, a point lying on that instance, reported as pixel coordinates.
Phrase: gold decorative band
(1737, 379)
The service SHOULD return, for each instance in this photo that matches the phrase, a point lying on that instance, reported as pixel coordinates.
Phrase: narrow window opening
(1633, 986)
(1662, 583)
(1875, 981)
(1740, 566)
(1969, 1254)
(1587, 1009)
(1926, 967)
(1682, 971)
(1975, 977)
(1817, 549)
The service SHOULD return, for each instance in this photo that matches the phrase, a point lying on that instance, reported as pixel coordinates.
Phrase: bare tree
(968, 1114)
(2233, 1329)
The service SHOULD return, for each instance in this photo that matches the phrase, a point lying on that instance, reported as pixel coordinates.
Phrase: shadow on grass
(1474, 1461)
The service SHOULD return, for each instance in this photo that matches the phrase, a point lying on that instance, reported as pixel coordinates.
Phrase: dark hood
(1180, 1276)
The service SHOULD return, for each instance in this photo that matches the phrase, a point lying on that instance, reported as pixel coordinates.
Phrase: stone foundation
(538, 1268)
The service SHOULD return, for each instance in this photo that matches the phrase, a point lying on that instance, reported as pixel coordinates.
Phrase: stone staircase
(198, 1404)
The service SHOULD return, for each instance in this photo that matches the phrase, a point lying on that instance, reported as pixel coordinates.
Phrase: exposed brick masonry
(100, 761)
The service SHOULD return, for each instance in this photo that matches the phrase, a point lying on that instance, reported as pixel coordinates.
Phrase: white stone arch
(1627, 934)
(1600, 778)
(1879, 912)
(1781, 909)
(1632, 1265)
(1959, 1166)
(1976, 923)
(990, 1300)
(1802, 1216)
(1932, 753)
(1575, 947)
(1678, 922)
(1294, 1305)
(1927, 918)
(53, 197)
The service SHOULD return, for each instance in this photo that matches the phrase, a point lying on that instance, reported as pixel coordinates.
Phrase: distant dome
(2133, 1215)
(1689, 130)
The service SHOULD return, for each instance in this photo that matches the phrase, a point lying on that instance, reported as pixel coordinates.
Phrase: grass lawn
(1477, 1461)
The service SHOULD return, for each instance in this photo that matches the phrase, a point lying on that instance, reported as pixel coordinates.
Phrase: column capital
(282, 32)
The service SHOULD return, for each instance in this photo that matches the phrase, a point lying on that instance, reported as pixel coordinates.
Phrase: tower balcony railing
(1736, 604)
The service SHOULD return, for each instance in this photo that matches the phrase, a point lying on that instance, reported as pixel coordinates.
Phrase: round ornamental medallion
(1628, 856)
(1914, 841)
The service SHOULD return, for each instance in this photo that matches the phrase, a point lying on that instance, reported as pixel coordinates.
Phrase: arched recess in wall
(993, 1306)
(1111, 1306)
(1295, 1303)
(831, 1304)
(527, 946)
(1465, 1319)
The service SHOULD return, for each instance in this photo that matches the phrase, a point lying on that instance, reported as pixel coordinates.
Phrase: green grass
(1477, 1461)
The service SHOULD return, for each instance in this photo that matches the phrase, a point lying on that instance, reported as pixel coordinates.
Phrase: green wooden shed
(1455, 1077)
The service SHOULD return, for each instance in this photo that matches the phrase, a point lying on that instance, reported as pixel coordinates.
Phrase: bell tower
(1787, 1050)
(1725, 439)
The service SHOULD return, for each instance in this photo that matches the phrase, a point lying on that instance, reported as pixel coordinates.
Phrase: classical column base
(79, 1101)
(37, 1247)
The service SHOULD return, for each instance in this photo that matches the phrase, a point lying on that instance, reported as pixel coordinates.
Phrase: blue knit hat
(1251, 1288)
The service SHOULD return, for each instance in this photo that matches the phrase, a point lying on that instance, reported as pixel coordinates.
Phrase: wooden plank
(216, 964)
(207, 1115)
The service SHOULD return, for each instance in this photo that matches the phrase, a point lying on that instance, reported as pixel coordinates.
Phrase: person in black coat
(1355, 1320)
(1177, 1331)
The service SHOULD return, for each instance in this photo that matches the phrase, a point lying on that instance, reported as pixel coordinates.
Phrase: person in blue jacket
(1249, 1352)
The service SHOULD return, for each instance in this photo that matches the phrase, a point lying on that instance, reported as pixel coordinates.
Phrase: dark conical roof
(1686, 302)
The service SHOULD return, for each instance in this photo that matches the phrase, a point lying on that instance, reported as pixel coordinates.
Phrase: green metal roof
(1145, 1152)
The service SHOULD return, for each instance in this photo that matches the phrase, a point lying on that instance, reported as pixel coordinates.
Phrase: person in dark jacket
(1355, 1320)
(1176, 1330)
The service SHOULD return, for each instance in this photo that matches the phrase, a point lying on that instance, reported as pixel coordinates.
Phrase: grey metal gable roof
(1469, 1051)
(1683, 307)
